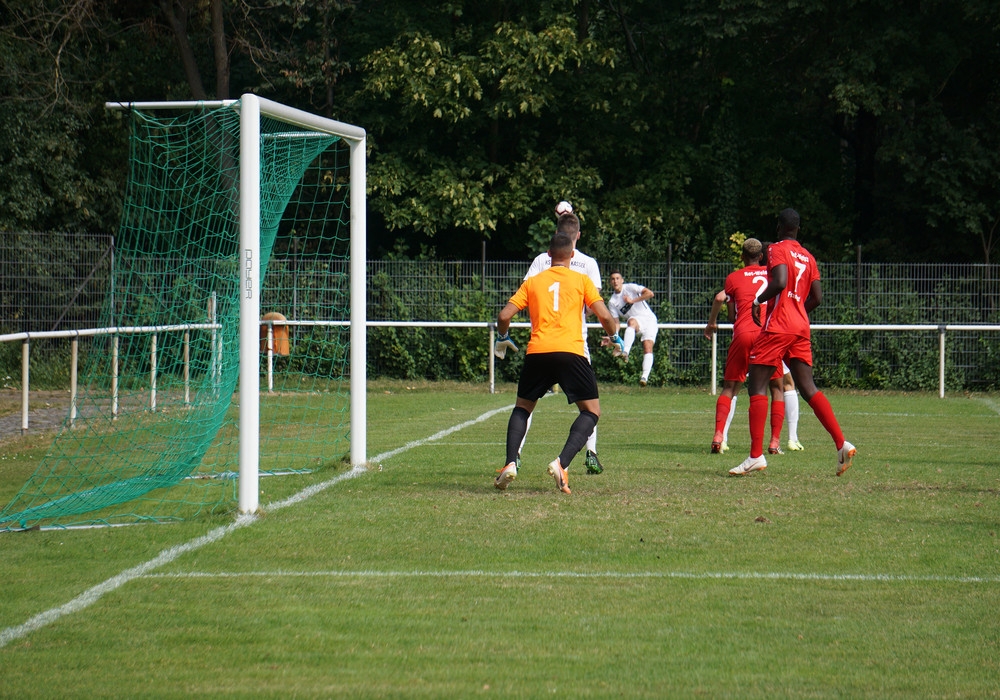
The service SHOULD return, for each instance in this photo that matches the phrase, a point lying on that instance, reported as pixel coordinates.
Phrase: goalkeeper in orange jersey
(555, 300)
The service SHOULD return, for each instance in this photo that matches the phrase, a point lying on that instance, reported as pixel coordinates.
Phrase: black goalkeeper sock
(517, 426)
(581, 429)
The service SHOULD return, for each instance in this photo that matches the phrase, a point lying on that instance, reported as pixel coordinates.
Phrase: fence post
(941, 361)
(858, 281)
(857, 286)
(73, 365)
(187, 367)
(152, 373)
(670, 274)
(715, 362)
(114, 377)
(492, 361)
(25, 380)
(270, 357)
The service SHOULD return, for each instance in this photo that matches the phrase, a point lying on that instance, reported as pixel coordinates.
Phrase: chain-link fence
(50, 282)
(866, 293)
(53, 281)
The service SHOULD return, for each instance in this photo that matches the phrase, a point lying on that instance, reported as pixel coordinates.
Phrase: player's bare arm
(608, 322)
(645, 295)
(815, 297)
(777, 280)
(712, 326)
(504, 317)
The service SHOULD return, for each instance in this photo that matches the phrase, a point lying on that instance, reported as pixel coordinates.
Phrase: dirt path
(47, 411)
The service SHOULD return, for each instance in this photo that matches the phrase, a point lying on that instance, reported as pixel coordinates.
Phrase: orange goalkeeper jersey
(555, 299)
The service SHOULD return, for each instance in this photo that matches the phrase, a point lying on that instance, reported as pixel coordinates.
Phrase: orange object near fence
(281, 344)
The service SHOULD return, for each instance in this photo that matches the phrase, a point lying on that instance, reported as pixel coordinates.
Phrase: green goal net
(155, 428)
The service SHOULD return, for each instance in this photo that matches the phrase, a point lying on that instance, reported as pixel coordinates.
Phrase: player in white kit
(583, 263)
(630, 301)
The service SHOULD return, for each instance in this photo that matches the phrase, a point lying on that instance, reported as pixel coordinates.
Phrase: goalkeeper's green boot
(594, 465)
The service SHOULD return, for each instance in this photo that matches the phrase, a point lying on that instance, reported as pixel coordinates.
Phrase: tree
(178, 15)
(475, 131)
(667, 124)
(55, 174)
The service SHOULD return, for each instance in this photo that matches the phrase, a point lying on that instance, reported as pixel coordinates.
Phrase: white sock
(647, 364)
(629, 338)
(792, 414)
(526, 429)
(592, 441)
(729, 420)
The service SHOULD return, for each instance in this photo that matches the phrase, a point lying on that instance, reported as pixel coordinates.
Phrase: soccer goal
(240, 255)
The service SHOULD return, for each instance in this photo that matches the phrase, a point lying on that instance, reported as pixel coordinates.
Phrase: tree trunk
(865, 147)
(177, 13)
(221, 51)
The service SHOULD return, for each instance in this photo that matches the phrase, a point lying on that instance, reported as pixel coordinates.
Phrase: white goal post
(251, 109)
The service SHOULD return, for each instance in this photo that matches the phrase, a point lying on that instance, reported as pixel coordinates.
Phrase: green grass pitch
(662, 577)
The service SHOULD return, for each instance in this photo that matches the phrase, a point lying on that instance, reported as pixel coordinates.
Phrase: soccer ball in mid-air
(564, 207)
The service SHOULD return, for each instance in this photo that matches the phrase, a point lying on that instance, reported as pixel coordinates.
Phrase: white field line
(92, 595)
(444, 433)
(994, 405)
(613, 575)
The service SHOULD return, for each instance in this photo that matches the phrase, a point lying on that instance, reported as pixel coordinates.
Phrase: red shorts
(772, 349)
(738, 359)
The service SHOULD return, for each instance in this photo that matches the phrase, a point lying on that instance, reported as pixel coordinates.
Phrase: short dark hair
(568, 223)
(561, 244)
(788, 219)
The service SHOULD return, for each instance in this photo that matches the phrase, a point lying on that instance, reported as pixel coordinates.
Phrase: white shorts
(647, 328)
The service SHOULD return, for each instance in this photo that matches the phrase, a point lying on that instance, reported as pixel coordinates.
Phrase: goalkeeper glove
(619, 343)
(503, 342)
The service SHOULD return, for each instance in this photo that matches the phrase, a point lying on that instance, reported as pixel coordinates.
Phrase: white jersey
(640, 310)
(580, 262)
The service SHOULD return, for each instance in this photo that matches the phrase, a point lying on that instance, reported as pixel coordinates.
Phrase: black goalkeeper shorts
(570, 371)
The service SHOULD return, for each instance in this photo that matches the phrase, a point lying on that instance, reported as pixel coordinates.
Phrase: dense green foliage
(668, 125)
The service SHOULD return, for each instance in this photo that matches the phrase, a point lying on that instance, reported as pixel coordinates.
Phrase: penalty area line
(444, 433)
(92, 595)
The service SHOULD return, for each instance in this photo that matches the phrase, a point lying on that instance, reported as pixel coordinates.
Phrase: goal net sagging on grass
(235, 211)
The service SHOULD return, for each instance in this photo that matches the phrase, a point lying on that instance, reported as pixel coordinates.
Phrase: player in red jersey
(742, 286)
(793, 284)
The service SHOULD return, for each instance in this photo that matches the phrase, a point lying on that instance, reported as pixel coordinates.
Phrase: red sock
(758, 418)
(777, 420)
(722, 407)
(824, 412)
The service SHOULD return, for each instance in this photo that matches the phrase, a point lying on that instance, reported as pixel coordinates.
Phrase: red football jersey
(787, 312)
(741, 288)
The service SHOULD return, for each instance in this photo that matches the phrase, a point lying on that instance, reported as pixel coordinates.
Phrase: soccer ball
(564, 207)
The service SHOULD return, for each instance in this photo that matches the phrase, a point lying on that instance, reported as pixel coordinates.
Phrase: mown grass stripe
(92, 595)
(697, 575)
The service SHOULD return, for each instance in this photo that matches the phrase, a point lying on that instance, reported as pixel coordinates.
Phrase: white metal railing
(115, 332)
(941, 329)
(268, 326)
